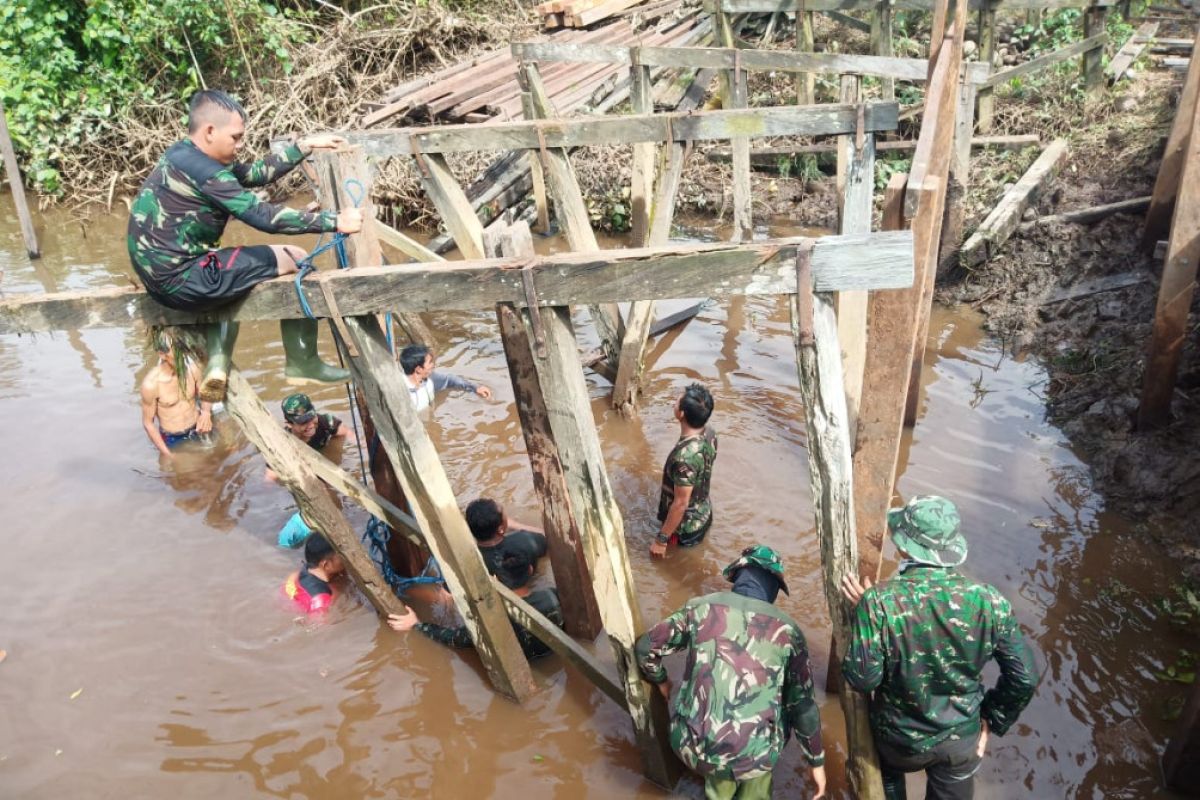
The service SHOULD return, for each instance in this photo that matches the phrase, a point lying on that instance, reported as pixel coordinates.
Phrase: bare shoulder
(150, 385)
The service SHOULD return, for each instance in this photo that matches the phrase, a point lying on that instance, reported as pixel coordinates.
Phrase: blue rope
(357, 193)
(376, 538)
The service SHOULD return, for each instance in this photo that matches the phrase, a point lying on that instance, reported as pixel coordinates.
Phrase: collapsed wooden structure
(860, 306)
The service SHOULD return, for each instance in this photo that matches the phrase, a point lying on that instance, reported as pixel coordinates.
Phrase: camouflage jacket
(920, 641)
(746, 687)
(544, 600)
(689, 464)
(185, 203)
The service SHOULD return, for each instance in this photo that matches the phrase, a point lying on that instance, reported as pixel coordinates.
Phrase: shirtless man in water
(170, 412)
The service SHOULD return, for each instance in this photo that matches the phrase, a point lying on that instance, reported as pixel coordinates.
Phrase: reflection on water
(155, 588)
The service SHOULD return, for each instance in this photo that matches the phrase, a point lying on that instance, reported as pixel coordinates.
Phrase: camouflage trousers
(729, 789)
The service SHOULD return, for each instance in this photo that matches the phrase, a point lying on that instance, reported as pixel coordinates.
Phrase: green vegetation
(69, 67)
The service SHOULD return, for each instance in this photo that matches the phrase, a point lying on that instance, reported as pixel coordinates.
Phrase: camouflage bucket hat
(297, 408)
(758, 555)
(927, 529)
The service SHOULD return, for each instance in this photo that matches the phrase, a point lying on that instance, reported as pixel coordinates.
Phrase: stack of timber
(485, 88)
(580, 13)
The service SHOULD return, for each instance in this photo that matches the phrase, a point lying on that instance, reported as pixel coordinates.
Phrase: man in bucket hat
(920, 642)
(747, 687)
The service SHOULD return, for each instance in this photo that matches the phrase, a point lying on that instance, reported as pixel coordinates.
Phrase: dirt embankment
(1094, 346)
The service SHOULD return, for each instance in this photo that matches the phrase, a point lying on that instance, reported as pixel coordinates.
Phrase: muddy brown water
(150, 654)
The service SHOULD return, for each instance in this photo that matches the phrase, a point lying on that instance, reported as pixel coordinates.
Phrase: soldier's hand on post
(818, 776)
(321, 141)
(852, 590)
(349, 220)
(403, 622)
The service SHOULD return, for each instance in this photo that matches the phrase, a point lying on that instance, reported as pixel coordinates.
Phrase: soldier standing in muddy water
(684, 512)
(748, 684)
(920, 642)
(178, 217)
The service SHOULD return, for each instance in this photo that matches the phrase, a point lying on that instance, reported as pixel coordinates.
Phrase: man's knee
(286, 257)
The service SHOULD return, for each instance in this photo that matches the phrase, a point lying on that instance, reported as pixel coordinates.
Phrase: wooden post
(881, 43)
(1093, 60)
(856, 183)
(601, 529)
(18, 187)
(645, 155)
(987, 50)
(452, 204)
(736, 96)
(278, 448)
(571, 575)
(891, 319)
(572, 213)
(1181, 761)
(818, 358)
(540, 200)
(1166, 185)
(1175, 292)
(960, 174)
(806, 82)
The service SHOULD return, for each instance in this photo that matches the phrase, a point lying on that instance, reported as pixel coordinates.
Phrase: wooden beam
(959, 180)
(882, 45)
(806, 81)
(850, 22)
(823, 120)
(1131, 51)
(284, 454)
(451, 202)
(570, 210)
(819, 362)
(1086, 216)
(571, 575)
(645, 155)
(1174, 292)
(995, 229)
(866, 261)
(1166, 184)
(1092, 62)
(987, 52)
(18, 187)
(770, 156)
(405, 244)
(1091, 44)
(435, 508)
(743, 208)
(767, 6)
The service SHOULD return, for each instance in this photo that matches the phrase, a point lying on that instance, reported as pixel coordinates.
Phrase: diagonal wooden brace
(335, 316)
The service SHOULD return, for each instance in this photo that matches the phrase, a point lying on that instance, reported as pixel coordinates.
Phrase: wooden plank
(684, 271)
(283, 454)
(1105, 283)
(405, 244)
(1174, 292)
(926, 187)
(908, 69)
(601, 527)
(1092, 62)
(452, 204)
(824, 120)
(1166, 184)
(959, 179)
(645, 155)
(767, 6)
(541, 200)
(818, 359)
(571, 211)
(563, 646)
(768, 156)
(806, 82)
(987, 51)
(849, 21)
(571, 575)
(18, 187)
(1089, 45)
(435, 508)
(1131, 51)
(995, 229)
(882, 44)
(1086, 216)
(743, 210)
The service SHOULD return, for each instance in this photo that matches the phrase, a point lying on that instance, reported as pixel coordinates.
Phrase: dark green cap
(298, 409)
(758, 555)
(927, 529)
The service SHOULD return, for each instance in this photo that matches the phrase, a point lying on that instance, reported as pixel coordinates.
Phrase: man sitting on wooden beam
(178, 217)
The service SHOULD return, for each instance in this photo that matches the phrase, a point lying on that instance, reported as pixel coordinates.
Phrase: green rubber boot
(304, 365)
(220, 338)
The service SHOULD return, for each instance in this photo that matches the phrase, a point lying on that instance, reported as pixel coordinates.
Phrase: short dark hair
(696, 405)
(412, 357)
(316, 549)
(202, 104)
(484, 517)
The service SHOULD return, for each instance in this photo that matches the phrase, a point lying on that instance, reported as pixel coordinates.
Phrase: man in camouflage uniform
(684, 512)
(747, 684)
(920, 642)
(178, 217)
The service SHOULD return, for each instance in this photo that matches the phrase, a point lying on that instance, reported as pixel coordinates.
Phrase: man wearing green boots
(179, 215)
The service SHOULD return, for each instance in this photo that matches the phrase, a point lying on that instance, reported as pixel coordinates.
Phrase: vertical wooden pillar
(602, 530)
(1166, 184)
(856, 184)
(960, 175)
(881, 43)
(540, 200)
(735, 96)
(571, 575)
(987, 51)
(278, 448)
(18, 187)
(1094, 19)
(806, 82)
(571, 211)
(645, 154)
(1174, 292)
(818, 358)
